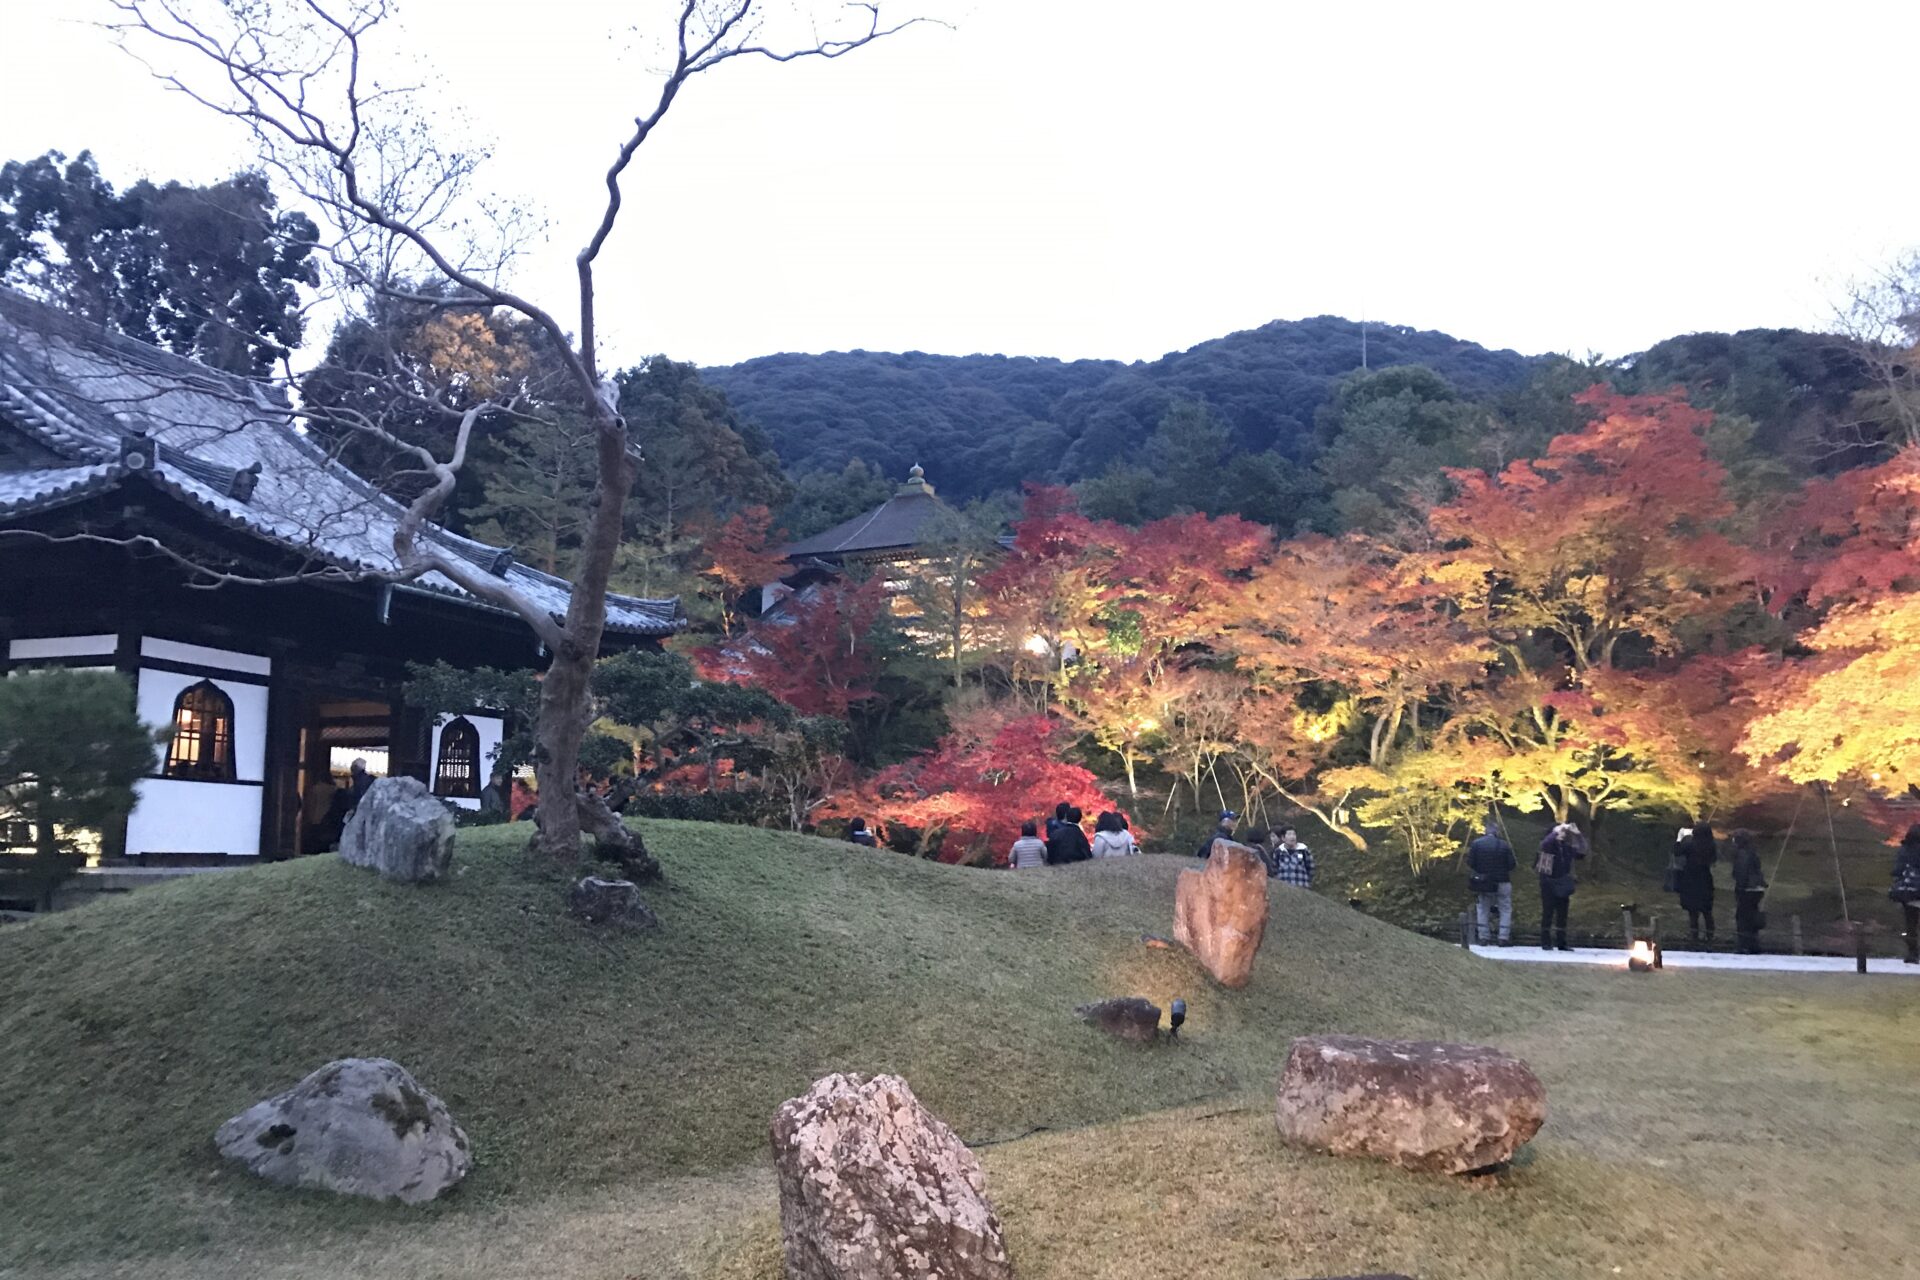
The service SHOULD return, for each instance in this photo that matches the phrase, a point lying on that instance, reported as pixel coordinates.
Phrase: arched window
(457, 772)
(202, 743)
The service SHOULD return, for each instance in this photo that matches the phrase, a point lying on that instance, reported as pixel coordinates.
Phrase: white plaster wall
(176, 816)
(491, 729)
(201, 655)
(61, 647)
(154, 700)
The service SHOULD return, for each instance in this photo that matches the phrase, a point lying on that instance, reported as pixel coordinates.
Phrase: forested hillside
(982, 424)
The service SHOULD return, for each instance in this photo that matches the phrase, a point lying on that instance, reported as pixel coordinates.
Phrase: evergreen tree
(71, 747)
(208, 272)
(536, 479)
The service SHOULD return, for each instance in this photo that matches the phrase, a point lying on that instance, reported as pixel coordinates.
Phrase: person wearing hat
(1224, 831)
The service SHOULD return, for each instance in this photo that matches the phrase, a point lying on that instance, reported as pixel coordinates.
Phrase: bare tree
(1882, 315)
(403, 209)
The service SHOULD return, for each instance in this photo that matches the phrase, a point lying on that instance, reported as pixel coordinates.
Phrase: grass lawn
(617, 1089)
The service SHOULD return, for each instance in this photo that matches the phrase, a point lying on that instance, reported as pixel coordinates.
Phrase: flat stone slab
(1124, 1017)
(1424, 1105)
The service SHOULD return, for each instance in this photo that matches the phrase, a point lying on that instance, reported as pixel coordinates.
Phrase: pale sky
(1124, 178)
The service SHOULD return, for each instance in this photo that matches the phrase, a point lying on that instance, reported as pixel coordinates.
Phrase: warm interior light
(1643, 956)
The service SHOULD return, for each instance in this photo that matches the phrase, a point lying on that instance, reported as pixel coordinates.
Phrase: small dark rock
(1125, 1017)
(614, 902)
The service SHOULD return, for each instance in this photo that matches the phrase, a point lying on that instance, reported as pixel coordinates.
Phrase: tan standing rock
(873, 1186)
(1220, 914)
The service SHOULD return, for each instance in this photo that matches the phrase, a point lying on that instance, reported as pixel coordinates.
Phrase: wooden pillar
(280, 796)
(407, 745)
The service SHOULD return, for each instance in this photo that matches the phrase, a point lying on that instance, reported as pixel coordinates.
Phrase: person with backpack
(1223, 830)
(1067, 842)
(1749, 890)
(1490, 867)
(1029, 850)
(1563, 846)
(1693, 860)
(1906, 889)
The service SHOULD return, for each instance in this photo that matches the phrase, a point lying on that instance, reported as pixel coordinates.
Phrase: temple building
(896, 538)
(130, 480)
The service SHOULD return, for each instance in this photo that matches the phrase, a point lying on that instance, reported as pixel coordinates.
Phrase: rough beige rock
(358, 1126)
(1423, 1105)
(874, 1187)
(1220, 914)
(1124, 1017)
(400, 830)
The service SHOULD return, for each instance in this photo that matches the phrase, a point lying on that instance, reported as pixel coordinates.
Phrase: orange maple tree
(736, 558)
(1851, 543)
(1610, 536)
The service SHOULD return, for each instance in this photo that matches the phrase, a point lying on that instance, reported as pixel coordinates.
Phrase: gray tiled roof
(893, 525)
(82, 393)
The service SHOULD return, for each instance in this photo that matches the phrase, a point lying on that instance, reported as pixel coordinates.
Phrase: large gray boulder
(874, 1187)
(359, 1127)
(400, 830)
(1420, 1104)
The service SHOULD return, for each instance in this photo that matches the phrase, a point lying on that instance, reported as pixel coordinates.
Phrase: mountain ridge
(983, 423)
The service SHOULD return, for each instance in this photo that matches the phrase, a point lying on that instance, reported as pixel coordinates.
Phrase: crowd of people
(1492, 864)
(1491, 867)
(1286, 858)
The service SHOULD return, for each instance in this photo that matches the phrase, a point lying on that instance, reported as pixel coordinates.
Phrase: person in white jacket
(1028, 851)
(1111, 839)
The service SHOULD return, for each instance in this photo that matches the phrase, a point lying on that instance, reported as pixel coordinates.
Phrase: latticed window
(202, 743)
(457, 772)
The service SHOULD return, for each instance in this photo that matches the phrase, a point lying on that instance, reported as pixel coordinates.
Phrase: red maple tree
(814, 654)
(736, 560)
(991, 772)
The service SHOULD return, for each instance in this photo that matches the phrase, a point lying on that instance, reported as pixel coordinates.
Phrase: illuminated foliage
(1609, 536)
(1852, 543)
(736, 559)
(991, 773)
(815, 655)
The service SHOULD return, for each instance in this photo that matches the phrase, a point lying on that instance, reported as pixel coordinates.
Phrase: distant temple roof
(102, 411)
(894, 525)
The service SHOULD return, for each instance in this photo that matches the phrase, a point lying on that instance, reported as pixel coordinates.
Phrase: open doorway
(338, 733)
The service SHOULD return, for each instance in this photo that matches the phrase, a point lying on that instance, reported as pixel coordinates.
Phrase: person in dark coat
(1490, 868)
(495, 796)
(1059, 818)
(1749, 889)
(1693, 880)
(1563, 847)
(1222, 831)
(1067, 842)
(1906, 888)
(857, 833)
(359, 782)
